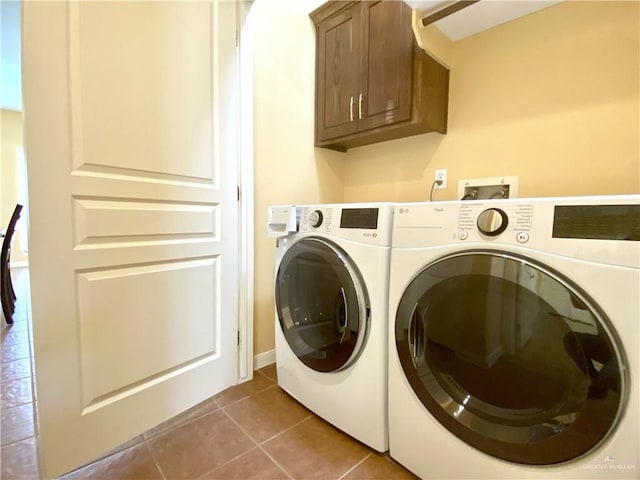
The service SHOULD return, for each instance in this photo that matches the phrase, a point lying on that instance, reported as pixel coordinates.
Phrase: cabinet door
(386, 64)
(338, 74)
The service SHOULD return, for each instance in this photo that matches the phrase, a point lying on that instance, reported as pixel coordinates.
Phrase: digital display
(599, 222)
(359, 218)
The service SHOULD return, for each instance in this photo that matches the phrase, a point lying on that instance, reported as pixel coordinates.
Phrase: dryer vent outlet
(488, 188)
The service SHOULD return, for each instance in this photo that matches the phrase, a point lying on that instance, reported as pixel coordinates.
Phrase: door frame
(244, 41)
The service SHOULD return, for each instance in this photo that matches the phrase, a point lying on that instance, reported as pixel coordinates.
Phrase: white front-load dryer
(513, 344)
(331, 291)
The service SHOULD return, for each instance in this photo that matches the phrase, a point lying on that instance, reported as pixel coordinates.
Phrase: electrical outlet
(442, 176)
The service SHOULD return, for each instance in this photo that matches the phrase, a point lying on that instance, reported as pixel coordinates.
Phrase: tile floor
(250, 431)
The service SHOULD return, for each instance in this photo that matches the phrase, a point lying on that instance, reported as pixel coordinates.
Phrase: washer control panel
(514, 219)
(317, 219)
(365, 223)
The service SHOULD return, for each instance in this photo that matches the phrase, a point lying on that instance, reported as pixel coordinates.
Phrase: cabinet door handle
(351, 110)
(360, 107)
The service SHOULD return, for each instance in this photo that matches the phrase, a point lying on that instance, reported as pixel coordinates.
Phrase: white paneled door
(131, 114)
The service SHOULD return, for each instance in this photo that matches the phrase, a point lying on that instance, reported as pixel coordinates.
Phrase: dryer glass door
(511, 357)
(322, 305)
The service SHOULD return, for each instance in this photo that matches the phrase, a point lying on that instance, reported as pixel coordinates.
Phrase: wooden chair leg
(8, 304)
(8, 292)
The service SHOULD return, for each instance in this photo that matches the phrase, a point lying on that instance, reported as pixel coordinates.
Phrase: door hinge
(238, 337)
(238, 191)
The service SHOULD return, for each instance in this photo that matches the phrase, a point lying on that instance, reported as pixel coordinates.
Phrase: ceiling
(10, 67)
(479, 16)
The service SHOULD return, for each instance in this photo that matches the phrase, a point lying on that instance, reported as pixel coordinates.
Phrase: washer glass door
(322, 305)
(511, 357)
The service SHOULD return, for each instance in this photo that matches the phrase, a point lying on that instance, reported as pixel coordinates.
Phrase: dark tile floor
(250, 431)
(18, 428)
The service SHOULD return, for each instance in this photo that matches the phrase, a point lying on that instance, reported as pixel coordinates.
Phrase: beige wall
(287, 167)
(551, 97)
(10, 139)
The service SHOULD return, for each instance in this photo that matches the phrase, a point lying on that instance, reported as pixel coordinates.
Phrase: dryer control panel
(597, 228)
(435, 224)
(491, 221)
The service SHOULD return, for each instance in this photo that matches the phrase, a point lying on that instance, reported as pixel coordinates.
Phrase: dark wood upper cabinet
(339, 78)
(373, 82)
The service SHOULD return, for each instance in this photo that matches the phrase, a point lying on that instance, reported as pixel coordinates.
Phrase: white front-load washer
(331, 291)
(513, 342)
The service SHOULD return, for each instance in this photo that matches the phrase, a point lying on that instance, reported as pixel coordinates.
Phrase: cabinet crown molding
(330, 8)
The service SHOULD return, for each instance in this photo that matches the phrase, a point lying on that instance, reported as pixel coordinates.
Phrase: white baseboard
(264, 359)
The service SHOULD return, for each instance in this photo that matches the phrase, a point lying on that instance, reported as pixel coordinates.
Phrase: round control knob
(315, 218)
(492, 222)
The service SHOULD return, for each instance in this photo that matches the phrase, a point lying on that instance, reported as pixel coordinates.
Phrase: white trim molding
(264, 359)
(245, 182)
(22, 264)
